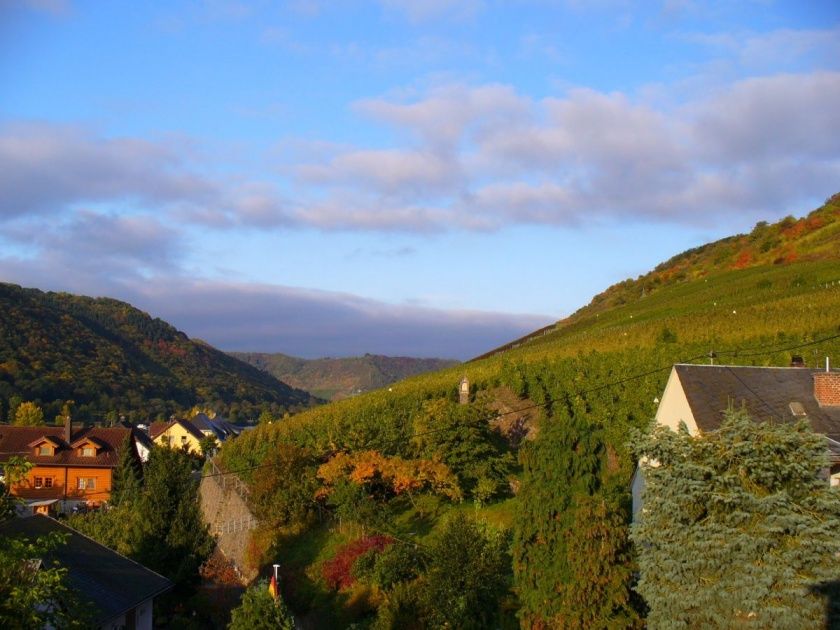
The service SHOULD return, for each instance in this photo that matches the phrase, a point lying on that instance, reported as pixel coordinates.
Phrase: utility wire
(735, 352)
(487, 418)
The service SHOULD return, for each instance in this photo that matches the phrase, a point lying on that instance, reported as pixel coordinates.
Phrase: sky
(418, 178)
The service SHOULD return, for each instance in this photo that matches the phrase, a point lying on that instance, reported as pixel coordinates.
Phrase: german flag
(272, 587)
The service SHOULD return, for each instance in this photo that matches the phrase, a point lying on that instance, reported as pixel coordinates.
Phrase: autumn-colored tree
(385, 477)
(28, 414)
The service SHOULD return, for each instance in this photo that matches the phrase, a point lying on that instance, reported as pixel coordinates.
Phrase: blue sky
(426, 178)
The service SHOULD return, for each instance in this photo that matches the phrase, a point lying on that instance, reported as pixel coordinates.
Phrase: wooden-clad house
(70, 466)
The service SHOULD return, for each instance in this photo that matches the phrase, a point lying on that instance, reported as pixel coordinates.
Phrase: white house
(698, 395)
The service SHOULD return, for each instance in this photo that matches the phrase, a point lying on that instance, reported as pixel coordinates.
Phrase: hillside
(111, 358)
(334, 379)
(576, 391)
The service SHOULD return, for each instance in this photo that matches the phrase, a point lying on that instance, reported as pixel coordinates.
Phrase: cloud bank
(472, 158)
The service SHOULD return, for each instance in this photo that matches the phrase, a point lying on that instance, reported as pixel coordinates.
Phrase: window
(45, 450)
(88, 451)
(87, 483)
(183, 439)
(39, 482)
(48, 481)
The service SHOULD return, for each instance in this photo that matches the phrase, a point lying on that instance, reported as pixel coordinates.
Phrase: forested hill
(111, 358)
(334, 379)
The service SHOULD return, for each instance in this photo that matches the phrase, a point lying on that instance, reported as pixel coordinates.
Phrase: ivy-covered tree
(260, 610)
(571, 551)
(739, 527)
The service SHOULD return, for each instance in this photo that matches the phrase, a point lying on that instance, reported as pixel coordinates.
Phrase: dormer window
(88, 451)
(45, 450)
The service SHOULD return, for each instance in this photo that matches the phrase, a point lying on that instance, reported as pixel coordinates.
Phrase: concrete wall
(230, 520)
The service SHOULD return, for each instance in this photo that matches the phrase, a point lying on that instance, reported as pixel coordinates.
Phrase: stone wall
(230, 520)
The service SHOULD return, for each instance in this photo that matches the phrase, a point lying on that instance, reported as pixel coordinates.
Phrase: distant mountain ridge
(113, 359)
(334, 379)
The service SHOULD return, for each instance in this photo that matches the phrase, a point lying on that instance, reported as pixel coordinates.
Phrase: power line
(487, 418)
(495, 415)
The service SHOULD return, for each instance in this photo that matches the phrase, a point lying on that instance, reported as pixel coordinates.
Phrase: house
(177, 433)
(218, 427)
(182, 433)
(119, 592)
(698, 395)
(71, 466)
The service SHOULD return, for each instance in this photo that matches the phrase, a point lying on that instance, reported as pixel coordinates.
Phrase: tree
(125, 485)
(15, 469)
(571, 549)
(283, 494)
(460, 437)
(64, 416)
(739, 528)
(34, 596)
(208, 445)
(259, 610)
(467, 577)
(163, 527)
(28, 414)
(176, 540)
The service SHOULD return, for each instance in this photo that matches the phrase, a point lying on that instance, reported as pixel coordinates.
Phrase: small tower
(464, 391)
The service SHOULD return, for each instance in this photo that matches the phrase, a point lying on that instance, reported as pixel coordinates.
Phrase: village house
(188, 434)
(119, 593)
(71, 467)
(177, 433)
(699, 395)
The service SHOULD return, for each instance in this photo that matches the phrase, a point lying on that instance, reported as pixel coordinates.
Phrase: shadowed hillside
(111, 358)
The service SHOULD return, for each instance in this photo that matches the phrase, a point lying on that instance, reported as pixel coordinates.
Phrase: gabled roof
(57, 443)
(218, 426)
(88, 439)
(765, 392)
(158, 428)
(20, 441)
(111, 582)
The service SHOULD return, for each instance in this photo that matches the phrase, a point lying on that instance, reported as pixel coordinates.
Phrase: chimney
(797, 361)
(827, 388)
(68, 428)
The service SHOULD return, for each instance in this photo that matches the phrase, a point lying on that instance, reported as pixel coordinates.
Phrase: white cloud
(474, 158)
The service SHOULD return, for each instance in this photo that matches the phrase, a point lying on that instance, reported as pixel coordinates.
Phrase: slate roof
(112, 583)
(766, 392)
(219, 426)
(18, 440)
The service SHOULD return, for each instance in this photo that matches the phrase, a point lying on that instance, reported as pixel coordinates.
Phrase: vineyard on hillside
(562, 492)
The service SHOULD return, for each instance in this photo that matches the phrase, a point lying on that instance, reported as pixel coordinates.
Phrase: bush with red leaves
(338, 571)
